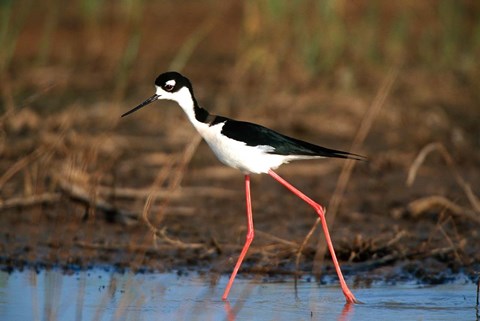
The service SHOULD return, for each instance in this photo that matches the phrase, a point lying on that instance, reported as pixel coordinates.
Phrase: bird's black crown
(172, 81)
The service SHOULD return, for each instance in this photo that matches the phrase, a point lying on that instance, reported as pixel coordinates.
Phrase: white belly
(248, 159)
(236, 154)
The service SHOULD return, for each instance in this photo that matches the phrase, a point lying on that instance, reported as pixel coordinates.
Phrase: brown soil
(74, 177)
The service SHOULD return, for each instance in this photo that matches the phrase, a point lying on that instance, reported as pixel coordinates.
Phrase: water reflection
(101, 295)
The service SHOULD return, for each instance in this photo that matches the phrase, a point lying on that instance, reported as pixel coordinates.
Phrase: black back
(254, 135)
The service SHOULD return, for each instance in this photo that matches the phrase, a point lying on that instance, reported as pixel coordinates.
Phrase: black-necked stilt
(251, 148)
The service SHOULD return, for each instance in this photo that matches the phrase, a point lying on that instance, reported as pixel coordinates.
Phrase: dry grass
(67, 162)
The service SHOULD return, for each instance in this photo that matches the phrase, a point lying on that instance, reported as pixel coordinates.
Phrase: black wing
(253, 135)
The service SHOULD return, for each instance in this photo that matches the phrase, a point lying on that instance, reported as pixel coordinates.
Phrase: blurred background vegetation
(88, 49)
(256, 58)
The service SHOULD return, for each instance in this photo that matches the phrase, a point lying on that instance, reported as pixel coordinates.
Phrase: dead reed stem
(478, 292)
(195, 38)
(451, 243)
(7, 93)
(174, 183)
(20, 164)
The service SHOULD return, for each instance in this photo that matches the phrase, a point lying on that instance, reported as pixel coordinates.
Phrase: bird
(250, 148)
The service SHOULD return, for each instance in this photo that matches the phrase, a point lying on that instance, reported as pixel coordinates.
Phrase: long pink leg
(249, 237)
(318, 208)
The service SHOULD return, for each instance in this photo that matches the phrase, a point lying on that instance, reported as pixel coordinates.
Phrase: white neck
(184, 98)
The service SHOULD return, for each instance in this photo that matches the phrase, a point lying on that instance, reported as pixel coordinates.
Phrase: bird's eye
(168, 87)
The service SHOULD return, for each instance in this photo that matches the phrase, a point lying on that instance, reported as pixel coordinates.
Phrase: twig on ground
(133, 248)
(80, 194)
(390, 258)
(439, 147)
(143, 193)
(177, 243)
(32, 200)
(273, 238)
(429, 203)
(396, 238)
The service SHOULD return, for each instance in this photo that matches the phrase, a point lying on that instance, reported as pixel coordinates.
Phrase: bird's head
(169, 86)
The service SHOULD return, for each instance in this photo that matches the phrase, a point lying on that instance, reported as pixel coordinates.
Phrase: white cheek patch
(159, 91)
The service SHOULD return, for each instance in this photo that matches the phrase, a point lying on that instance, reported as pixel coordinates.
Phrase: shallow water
(102, 295)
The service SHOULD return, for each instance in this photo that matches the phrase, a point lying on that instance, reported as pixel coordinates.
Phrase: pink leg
(346, 291)
(249, 238)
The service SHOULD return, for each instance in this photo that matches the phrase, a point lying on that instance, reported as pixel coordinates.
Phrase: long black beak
(145, 103)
